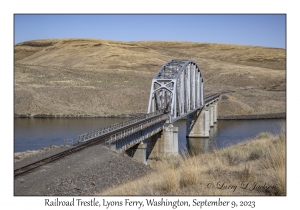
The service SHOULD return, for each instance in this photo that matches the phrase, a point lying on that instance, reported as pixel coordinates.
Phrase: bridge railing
(125, 133)
(94, 134)
(212, 98)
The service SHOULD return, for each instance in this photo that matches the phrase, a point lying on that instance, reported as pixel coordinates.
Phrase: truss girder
(177, 88)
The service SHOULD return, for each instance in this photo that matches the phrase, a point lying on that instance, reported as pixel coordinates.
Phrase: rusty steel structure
(178, 89)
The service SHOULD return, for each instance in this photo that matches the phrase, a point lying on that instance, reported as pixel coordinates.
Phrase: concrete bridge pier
(215, 105)
(140, 153)
(213, 113)
(113, 147)
(164, 143)
(170, 142)
(198, 123)
(211, 117)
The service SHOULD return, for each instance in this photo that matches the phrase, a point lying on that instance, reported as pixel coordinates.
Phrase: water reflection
(213, 131)
(196, 146)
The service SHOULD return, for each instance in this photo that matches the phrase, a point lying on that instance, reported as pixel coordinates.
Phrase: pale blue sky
(257, 30)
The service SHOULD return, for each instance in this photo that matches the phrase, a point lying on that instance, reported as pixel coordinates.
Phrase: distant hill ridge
(94, 77)
(98, 51)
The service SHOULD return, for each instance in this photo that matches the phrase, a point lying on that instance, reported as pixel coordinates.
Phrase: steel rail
(211, 98)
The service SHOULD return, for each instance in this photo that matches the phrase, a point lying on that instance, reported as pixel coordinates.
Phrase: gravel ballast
(87, 172)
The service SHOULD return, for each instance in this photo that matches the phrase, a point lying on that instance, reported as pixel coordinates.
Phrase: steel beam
(177, 88)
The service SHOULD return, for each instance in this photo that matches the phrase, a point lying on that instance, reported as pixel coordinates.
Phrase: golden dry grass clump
(256, 167)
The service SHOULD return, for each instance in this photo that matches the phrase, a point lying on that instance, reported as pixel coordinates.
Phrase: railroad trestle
(125, 139)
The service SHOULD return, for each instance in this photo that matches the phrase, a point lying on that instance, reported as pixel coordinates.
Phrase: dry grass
(18, 156)
(170, 179)
(274, 164)
(189, 171)
(256, 167)
(94, 77)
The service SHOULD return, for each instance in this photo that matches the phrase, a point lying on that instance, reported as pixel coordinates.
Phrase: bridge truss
(177, 88)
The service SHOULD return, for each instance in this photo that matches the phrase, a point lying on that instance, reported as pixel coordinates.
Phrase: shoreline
(220, 117)
(254, 117)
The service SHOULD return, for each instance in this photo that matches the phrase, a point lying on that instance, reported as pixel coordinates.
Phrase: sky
(268, 30)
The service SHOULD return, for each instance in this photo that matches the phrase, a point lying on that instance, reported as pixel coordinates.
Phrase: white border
(8, 8)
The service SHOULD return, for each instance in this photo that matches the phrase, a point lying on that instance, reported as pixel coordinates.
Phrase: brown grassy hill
(100, 78)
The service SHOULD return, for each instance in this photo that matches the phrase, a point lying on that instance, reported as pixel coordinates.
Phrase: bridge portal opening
(177, 88)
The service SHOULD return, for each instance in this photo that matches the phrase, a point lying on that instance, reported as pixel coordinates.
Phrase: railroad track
(97, 140)
(211, 97)
(28, 168)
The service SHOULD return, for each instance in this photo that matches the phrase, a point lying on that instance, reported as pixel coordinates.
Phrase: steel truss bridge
(177, 90)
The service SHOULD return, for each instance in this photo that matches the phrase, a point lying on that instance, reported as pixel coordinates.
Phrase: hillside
(93, 77)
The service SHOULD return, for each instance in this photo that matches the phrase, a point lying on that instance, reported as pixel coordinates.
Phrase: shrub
(275, 164)
(189, 171)
(263, 135)
(171, 179)
(256, 153)
(235, 155)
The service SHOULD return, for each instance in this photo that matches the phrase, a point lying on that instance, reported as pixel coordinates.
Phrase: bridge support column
(198, 123)
(140, 153)
(215, 112)
(211, 112)
(113, 147)
(164, 143)
(170, 139)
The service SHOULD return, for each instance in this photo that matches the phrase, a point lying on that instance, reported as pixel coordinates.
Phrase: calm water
(33, 134)
(226, 133)
(36, 133)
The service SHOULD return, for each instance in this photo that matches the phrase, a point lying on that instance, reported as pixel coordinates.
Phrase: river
(37, 133)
